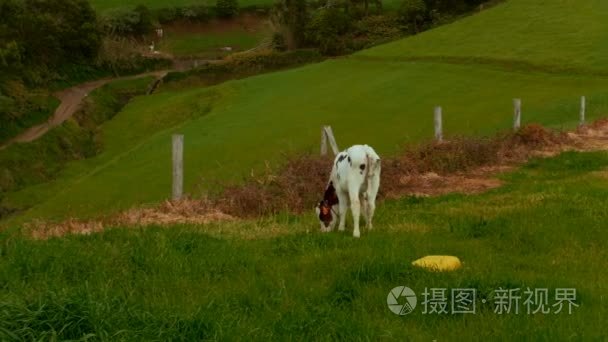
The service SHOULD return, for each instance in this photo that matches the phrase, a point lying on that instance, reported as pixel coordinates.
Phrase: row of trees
(37, 38)
(46, 33)
(341, 26)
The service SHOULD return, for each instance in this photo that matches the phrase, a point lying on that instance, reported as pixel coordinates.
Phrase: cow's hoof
(356, 235)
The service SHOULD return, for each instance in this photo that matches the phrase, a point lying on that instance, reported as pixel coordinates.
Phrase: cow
(354, 179)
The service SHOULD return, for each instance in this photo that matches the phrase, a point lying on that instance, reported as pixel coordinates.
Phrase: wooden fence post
(516, 114)
(438, 124)
(178, 166)
(583, 107)
(332, 140)
(323, 142)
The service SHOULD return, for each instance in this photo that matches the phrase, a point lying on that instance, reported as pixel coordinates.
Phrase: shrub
(124, 21)
(278, 42)
(120, 21)
(167, 15)
(412, 14)
(376, 29)
(326, 28)
(290, 18)
(242, 65)
(145, 23)
(226, 8)
(195, 13)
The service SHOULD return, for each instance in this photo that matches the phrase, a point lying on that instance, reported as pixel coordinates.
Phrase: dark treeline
(38, 38)
(344, 26)
(43, 34)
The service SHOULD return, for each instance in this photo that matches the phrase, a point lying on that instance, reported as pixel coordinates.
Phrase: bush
(412, 15)
(243, 65)
(326, 28)
(195, 13)
(124, 21)
(146, 23)
(167, 15)
(377, 29)
(278, 42)
(226, 8)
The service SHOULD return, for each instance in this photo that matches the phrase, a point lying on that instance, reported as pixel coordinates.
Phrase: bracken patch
(460, 164)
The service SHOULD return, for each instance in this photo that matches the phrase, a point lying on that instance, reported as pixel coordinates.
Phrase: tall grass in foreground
(280, 279)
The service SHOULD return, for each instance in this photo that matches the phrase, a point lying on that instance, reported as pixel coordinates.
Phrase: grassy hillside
(373, 98)
(556, 35)
(278, 279)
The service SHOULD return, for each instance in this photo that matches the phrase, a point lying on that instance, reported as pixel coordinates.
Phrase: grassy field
(208, 45)
(557, 35)
(280, 279)
(206, 40)
(222, 123)
(381, 96)
(28, 165)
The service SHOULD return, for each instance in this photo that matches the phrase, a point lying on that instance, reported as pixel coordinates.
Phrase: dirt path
(71, 100)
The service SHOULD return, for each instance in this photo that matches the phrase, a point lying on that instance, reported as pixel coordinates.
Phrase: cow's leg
(355, 206)
(343, 207)
(372, 193)
(365, 208)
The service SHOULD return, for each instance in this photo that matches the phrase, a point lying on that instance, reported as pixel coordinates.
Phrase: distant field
(279, 279)
(206, 40)
(559, 35)
(208, 45)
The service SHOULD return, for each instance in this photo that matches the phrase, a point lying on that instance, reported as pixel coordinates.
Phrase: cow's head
(325, 208)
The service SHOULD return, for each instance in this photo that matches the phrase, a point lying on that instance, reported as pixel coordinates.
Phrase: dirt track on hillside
(71, 100)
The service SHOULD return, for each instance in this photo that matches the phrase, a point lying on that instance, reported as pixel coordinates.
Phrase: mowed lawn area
(279, 278)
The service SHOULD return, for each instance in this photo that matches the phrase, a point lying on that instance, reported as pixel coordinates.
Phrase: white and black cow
(354, 179)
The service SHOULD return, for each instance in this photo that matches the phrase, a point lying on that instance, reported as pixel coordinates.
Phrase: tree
(412, 14)
(145, 23)
(227, 8)
(290, 18)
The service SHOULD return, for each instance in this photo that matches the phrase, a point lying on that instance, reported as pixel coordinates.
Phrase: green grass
(207, 45)
(557, 35)
(383, 96)
(30, 164)
(234, 127)
(280, 279)
(39, 108)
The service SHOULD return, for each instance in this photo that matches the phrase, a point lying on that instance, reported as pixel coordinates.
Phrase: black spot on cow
(330, 195)
(340, 159)
(349, 161)
(362, 167)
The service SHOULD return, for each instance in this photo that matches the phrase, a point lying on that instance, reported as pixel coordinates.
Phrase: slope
(373, 97)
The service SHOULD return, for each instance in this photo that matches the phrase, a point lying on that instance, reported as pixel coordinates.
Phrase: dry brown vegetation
(461, 164)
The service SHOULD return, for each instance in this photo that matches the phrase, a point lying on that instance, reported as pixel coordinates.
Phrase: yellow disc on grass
(439, 263)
